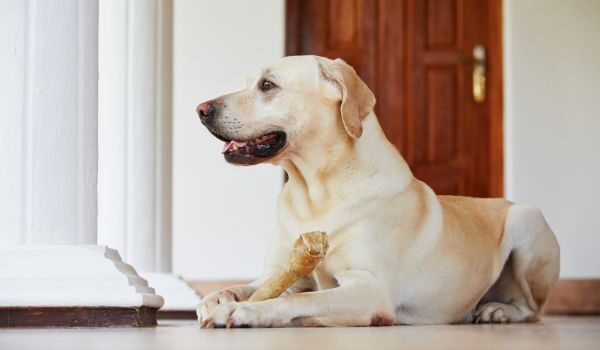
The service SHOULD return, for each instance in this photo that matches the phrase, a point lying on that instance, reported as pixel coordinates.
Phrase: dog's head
(300, 104)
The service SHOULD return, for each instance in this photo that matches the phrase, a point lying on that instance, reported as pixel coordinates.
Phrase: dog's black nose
(205, 110)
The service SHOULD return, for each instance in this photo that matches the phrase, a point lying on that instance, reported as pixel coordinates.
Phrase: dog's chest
(295, 216)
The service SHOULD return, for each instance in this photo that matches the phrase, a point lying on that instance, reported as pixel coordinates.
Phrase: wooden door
(417, 57)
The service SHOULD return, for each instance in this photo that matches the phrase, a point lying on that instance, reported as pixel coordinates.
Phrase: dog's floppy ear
(357, 99)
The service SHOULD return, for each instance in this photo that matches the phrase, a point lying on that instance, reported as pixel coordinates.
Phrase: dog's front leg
(242, 292)
(359, 300)
(224, 296)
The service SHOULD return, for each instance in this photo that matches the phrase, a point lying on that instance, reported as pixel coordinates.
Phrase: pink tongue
(229, 145)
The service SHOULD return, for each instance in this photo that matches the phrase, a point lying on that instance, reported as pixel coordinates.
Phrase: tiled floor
(553, 333)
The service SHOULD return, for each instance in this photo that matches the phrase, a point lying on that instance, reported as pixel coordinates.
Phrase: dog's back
(488, 214)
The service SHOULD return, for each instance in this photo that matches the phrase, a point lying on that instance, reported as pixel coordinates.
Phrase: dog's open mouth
(255, 150)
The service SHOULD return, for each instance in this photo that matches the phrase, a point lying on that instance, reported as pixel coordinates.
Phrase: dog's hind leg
(530, 273)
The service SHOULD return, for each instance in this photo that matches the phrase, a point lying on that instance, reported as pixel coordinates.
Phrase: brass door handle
(479, 73)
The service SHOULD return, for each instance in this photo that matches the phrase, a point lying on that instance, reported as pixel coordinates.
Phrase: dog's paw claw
(208, 324)
(493, 313)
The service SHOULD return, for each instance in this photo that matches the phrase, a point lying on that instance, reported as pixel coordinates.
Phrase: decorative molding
(71, 276)
(180, 299)
(134, 189)
(72, 285)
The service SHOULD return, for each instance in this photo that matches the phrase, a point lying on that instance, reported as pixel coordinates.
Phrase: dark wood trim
(292, 36)
(20, 317)
(176, 315)
(292, 27)
(572, 296)
(496, 99)
(575, 297)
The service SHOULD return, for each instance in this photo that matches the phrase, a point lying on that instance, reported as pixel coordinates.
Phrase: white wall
(552, 116)
(223, 216)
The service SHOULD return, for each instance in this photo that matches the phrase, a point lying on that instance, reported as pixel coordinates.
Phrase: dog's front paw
(493, 313)
(211, 301)
(241, 315)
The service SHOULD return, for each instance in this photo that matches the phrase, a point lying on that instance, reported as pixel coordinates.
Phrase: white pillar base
(71, 277)
(181, 300)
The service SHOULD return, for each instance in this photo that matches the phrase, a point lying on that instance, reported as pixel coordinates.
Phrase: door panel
(416, 56)
(441, 23)
(436, 91)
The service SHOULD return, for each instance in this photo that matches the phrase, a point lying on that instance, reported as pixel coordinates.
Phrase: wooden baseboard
(176, 315)
(571, 297)
(20, 317)
(575, 297)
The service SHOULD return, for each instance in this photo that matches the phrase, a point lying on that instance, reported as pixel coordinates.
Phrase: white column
(134, 181)
(49, 122)
(49, 157)
(135, 131)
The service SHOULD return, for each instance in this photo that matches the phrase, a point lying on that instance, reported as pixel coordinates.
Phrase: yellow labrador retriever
(399, 254)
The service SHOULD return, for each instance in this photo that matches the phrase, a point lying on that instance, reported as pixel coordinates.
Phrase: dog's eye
(266, 85)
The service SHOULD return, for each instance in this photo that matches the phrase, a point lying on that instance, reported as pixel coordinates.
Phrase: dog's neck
(334, 170)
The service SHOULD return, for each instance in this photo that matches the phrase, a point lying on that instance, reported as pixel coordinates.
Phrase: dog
(399, 253)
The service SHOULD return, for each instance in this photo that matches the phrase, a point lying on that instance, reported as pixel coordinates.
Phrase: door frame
(293, 31)
(496, 95)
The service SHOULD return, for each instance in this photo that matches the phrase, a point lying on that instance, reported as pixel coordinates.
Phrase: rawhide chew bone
(308, 250)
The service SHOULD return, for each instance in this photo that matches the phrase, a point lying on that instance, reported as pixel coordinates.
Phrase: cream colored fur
(398, 253)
